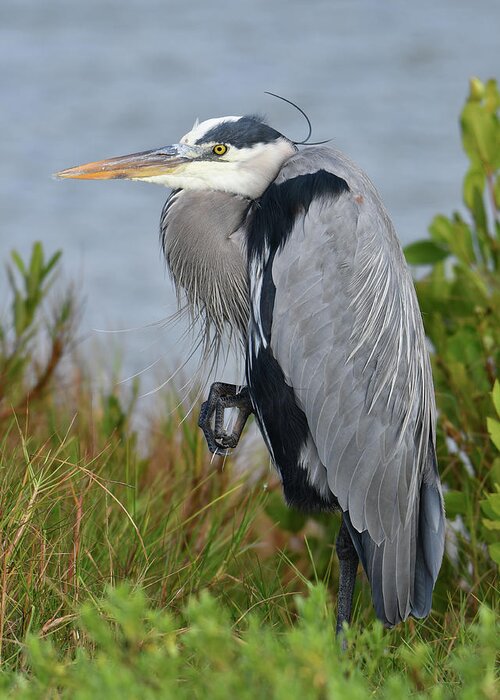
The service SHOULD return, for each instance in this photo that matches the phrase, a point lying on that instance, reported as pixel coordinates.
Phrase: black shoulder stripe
(277, 209)
(267, 298)
(285, 426)
(282, 421)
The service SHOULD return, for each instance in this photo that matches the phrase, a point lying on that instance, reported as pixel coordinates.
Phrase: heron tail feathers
(402, 572)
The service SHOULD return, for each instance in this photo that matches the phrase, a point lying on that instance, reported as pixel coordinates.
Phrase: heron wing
(347, 334)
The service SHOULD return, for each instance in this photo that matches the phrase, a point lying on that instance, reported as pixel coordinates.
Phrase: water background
(81, 81)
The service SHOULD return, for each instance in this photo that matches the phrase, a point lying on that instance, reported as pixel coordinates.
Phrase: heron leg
(348, 560)
(224, 396)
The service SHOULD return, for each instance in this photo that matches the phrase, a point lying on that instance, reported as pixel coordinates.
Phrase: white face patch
(200, 129)
(242, 171)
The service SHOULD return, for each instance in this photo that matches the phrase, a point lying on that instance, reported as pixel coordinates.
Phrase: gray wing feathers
(348, 336)
(350, 376)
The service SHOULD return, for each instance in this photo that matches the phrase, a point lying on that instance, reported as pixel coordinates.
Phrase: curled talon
(211, 419)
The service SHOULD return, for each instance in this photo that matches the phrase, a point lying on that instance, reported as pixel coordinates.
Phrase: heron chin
(292, 252)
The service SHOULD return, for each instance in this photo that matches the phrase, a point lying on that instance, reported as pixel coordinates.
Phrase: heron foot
(224, 396)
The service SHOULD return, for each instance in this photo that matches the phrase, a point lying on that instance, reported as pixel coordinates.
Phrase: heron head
(241, 155)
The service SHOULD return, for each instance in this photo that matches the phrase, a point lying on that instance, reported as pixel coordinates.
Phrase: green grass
(213, 606)
(160, 572)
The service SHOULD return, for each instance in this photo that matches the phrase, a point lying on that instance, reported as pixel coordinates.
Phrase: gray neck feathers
(204, 244)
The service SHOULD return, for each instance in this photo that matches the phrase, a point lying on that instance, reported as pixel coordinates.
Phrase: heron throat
(202, 237)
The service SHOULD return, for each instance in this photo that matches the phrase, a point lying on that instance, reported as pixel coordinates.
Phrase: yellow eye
(219, 149)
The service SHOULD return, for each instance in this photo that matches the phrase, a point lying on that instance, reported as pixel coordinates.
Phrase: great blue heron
(293, 251)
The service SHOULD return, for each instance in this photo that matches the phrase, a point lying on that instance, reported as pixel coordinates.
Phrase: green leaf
(479, 134)
(425, 253)
(473, 182)
(496, 192)
(495, 395)
(35, 270)
(441, 229)
(455, 503)
(51, 263)
(492, 96)
(477, 89)
(494, 474)
(20, 319)
(491, 524)
(494, 431)
(12, 280)
(487, 509)
(461, 241)
(491, 504)
(494, 550)
(18, 261)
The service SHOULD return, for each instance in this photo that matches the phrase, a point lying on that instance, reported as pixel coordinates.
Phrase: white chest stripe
(257, 336)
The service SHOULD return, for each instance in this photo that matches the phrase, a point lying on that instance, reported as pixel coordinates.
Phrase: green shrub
(134, 651)
(460, 301)
(23, 378)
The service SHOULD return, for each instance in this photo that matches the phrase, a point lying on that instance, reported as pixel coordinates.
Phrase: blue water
(85, 80)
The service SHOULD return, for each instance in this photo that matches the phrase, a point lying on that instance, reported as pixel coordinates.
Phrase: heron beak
(135, 166)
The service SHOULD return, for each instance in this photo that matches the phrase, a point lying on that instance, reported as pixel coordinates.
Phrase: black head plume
(306, 141)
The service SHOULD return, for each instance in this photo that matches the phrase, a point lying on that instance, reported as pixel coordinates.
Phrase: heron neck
(204, 245)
